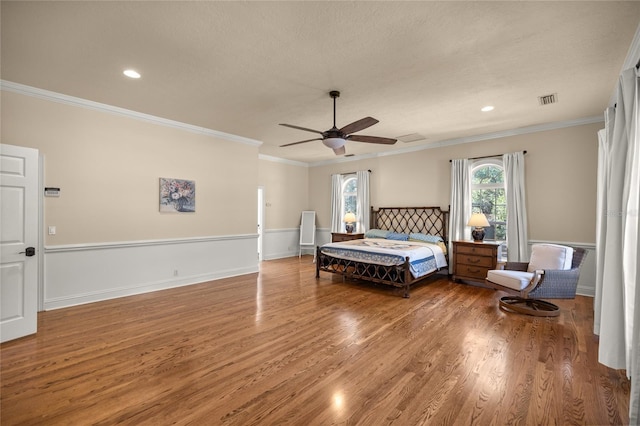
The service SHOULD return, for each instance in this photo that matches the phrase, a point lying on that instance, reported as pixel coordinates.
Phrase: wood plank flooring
(279, 347)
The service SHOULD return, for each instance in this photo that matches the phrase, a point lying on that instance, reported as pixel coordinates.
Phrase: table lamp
(478, 221)
(349, 220)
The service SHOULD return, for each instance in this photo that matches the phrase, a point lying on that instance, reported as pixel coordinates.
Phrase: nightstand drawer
(472, 261)
(477, 250)
(337, 237)
(484, 261)
(470, 271)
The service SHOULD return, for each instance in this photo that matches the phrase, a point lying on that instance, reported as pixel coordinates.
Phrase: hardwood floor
(279, 347)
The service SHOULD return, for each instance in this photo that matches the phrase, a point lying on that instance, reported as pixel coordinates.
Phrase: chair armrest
(557, 284)
(516, 266)
(538, 276)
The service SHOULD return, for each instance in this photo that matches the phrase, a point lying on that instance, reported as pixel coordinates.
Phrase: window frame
(345, 181)
(475, 166)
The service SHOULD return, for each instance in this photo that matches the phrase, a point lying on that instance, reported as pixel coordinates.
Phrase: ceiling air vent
(413, 137)
(548, 99)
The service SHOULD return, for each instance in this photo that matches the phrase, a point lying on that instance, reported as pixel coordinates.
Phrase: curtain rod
(353, 173)
(487, 156)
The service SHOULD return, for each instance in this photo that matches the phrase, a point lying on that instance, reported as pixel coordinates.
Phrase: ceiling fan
(335, 138)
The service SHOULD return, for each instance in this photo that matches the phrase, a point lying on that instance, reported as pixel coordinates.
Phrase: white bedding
(423, 257)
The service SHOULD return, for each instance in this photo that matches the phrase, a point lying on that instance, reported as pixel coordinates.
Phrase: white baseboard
(86, 273)
(281, 243)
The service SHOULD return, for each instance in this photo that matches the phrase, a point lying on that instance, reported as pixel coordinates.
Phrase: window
(350, 195)
(488, 197)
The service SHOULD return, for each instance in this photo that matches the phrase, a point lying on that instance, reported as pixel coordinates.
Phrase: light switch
(52, 230)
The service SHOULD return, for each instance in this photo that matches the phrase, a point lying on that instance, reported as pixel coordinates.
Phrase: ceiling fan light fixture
(334, 143)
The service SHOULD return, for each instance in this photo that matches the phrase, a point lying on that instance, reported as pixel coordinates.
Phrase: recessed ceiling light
(487, 108)
(131, 73)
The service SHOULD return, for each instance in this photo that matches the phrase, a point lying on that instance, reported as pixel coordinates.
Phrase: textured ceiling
(244, 67)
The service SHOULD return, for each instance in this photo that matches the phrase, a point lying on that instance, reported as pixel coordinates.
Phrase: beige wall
(561, 168)
(286, 189)
(108, 168)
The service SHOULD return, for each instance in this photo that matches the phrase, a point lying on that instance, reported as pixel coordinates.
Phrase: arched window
(488, 196)
(350, 195)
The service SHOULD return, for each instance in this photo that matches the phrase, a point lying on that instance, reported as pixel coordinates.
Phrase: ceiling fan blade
(296, 143)
(340, 151)
(372, 139)
(301, 128)
(356, 126)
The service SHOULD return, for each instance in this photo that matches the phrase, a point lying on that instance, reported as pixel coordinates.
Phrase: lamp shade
(333, 143)
(349, 218)
(478, 220)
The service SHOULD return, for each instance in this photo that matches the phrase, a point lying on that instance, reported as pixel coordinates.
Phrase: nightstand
(337, 237)
(472, 261)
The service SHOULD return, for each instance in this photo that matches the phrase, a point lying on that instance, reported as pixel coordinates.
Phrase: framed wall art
(177, 195)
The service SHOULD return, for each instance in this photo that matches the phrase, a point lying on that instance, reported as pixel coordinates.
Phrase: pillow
(398, 236)
(434, 239)
(550, 256)
(376, 233)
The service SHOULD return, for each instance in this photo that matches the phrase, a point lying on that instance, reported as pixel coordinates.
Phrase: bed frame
(427, 220)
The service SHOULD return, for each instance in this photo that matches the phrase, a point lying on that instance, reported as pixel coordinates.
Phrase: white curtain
(336, 203)
(604, 137)
(517, 239)
(617, 276)
(363, 201)
(460, 205)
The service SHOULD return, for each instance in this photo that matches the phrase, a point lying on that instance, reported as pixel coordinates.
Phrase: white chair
(552, 272)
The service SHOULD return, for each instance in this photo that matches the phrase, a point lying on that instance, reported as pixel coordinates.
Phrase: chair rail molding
(85, 273)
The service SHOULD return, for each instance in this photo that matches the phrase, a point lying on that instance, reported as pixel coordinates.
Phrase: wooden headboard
(427, 220)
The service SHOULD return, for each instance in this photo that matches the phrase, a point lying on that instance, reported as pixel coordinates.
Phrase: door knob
(30, 251)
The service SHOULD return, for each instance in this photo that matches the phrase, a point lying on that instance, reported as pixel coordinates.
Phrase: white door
(260, 220)
(18, 242)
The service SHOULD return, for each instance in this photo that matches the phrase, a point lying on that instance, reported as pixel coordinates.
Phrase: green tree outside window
(488, 197)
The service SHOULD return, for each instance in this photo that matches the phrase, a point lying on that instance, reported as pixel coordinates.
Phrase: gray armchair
(552, 273)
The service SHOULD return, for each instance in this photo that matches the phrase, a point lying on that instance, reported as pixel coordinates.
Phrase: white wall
(84, 273)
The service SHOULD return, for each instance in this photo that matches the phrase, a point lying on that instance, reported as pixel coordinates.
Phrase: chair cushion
(516, 280)
(550, 256)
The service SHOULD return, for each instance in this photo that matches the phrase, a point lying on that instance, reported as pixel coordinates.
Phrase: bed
(385, 256)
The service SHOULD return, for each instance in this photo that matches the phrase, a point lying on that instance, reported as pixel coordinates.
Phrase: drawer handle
(472, 260)
(474, 270)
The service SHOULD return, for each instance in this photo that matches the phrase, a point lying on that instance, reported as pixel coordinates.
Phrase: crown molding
(83, 103)
(469, 139)
(22, 89)
(282, 160)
